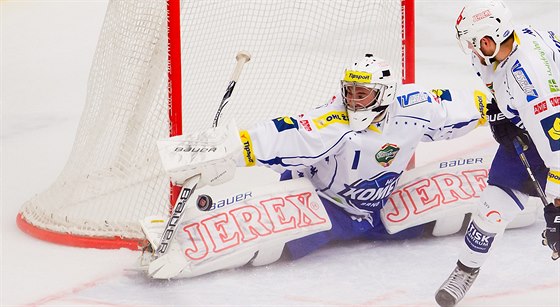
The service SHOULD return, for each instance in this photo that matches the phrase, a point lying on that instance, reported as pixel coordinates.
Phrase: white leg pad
(448, 225)
(253, 230)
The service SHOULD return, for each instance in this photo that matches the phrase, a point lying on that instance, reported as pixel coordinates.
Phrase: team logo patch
(551, 127)
(387, 154)
(370, 193)
(524, 82)
(285, 123)
(413, 98)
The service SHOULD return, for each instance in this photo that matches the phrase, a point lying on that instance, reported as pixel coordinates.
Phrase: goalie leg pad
(254, 230)
(498, 207)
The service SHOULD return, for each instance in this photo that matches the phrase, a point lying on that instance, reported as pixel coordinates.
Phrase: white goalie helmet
(482, 18)
(368, 88)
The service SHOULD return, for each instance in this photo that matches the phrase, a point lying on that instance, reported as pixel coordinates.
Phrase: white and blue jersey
(526, 86)
(358, 170)
(355, 172)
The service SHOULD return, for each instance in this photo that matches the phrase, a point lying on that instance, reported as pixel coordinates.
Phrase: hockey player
(353, 150)
(521, 66)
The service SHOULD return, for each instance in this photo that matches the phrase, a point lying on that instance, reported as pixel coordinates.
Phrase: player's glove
(503, 130)
(551, 235)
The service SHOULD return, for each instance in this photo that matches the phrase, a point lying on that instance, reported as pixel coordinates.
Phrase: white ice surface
(46, 51)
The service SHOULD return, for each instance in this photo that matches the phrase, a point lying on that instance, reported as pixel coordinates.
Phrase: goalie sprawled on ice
(339, 163)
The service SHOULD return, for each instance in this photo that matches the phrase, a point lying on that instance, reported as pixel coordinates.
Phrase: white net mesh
(300, 48)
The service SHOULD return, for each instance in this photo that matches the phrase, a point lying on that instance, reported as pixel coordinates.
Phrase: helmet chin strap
(488, 60)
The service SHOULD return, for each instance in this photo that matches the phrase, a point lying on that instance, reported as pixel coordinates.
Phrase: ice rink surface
(46, 52)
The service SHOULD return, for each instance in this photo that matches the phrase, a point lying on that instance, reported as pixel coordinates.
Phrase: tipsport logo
(370, 194)
(357, 76)
(248, 152)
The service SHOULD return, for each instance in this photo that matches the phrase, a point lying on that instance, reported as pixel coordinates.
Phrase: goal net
(161, 68)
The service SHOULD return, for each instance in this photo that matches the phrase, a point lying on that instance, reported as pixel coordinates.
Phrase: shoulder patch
(413, 98)
(285, 123)
(551, 127)
(523, 80)
(442, 94)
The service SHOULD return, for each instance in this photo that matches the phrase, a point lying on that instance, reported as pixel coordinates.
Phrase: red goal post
(160, 68)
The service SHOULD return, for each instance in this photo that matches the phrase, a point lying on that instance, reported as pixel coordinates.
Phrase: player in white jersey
(352, 149)
(521, 66)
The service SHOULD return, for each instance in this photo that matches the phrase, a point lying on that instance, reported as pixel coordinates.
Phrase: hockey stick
(520, 148)
(189, 186)
(242, 57)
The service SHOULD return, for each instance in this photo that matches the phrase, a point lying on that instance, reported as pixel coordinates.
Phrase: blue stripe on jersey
(333, 176)
(356, 159)
(515, 199)
(414, 117)
(512, 111)
(455, 125)
(279, 160)
(429, 136)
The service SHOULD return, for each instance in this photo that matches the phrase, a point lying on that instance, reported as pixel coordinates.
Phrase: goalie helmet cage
(113, 177)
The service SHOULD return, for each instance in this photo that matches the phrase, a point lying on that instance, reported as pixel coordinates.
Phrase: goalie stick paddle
(189, 186)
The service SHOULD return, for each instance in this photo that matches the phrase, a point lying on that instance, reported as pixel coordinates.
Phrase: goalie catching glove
(209, 153)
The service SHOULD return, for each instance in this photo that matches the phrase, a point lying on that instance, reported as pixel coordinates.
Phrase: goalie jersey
(358, 170)
(526, 88)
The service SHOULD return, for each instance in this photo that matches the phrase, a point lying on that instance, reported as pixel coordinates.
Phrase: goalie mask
(368, 88)
(478, 19)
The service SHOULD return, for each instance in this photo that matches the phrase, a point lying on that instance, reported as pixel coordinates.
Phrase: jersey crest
(387, 154)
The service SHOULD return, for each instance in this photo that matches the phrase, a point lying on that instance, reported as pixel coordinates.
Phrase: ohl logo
(371, 193)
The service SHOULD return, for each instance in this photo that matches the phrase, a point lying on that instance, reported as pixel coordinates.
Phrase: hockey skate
(456, 286)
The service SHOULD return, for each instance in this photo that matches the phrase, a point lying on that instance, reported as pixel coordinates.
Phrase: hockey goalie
(340, 165)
